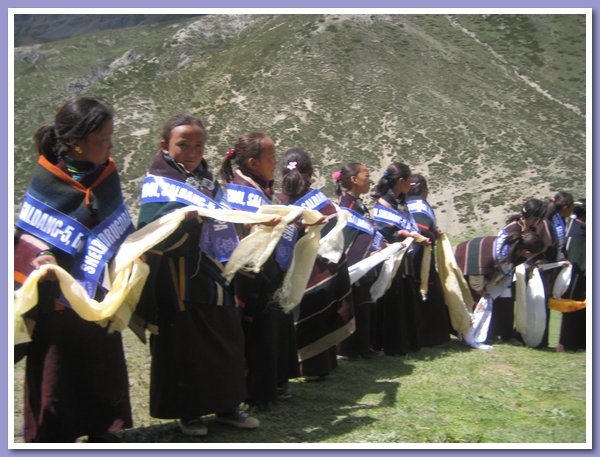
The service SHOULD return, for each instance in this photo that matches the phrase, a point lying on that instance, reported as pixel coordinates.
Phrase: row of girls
(215, 344)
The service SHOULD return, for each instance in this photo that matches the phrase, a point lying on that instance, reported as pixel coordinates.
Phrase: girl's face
(361, 182)
(97, 146)
(402, 186)
(264, 165)
(186, 145)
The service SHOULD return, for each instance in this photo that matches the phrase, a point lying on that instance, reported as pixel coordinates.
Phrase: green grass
(447, 394)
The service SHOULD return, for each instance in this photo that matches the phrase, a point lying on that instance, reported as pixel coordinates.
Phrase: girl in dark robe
(325, 316)
(398, 311)
(197, 341)
(435, 319)
(75, 377)
(271, 357)
(359, 243)
(573, 324)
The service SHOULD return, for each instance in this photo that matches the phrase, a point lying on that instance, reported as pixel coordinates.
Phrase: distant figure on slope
(197, 344)
(398, 311)
(325, 314)
(271, 357)
(435, 320)
(360, 240)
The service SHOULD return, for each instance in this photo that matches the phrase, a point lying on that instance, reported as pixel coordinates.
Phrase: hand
(45, 259)
(192, 215)
(152, 328)
(321, 221)
(273, 222)
(420, 238)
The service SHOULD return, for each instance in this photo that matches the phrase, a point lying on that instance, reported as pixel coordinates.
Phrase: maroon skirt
(76, 380)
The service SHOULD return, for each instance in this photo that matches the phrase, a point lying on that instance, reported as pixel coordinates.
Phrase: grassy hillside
(490, 108)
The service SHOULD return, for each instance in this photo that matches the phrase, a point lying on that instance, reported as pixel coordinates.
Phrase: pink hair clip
(336, 175)
(229, 154)
(291, 165)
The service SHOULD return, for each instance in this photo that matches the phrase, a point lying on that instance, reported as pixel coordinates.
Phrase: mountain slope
(491, 109)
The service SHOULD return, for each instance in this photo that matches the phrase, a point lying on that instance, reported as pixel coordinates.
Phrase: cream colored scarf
(456, 291)
(128, 272)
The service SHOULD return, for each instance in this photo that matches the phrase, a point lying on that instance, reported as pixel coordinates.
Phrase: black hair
(296, 171)
(392, 173)
(248, 145)
(524, 240)
(418, 185)
(560, 201)
(177, 120)
(73, 123)
(345, 176)
(531, 208)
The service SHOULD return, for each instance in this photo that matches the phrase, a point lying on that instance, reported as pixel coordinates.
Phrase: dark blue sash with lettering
(218, 239)
(90, 249)
(359, 222)
(500, 246)
(421, 206)
(315, 199)
(559, 230)
(395, 218)
(245, 198)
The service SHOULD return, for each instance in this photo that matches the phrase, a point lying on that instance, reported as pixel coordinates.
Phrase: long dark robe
(198, 356)
(398, 312)
(325, 315)
(435, 317)
(551, 254)
(271, 356)
(75, 377)
(356, 247)
(573, 325)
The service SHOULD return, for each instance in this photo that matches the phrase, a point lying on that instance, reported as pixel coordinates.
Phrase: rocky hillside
(491, 108)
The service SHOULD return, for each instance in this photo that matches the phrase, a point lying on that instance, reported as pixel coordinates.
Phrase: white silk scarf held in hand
(389, 269)
(359, 269)
(331, 246)
(127, 273)
(425, 267)
(482, 314)
(456, 290)
(530, 306)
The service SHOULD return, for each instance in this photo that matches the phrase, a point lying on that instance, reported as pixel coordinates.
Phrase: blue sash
(90, 249)
(315, 199)
(218, 239)
(250, 199)
(500, 246)
(559, 230)
(395, 218)
(245, 198)
(361, 223)
(421, 206)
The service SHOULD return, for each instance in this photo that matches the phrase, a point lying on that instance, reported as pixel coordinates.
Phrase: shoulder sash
(218, 239)
(91, 249)
(395, 218)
